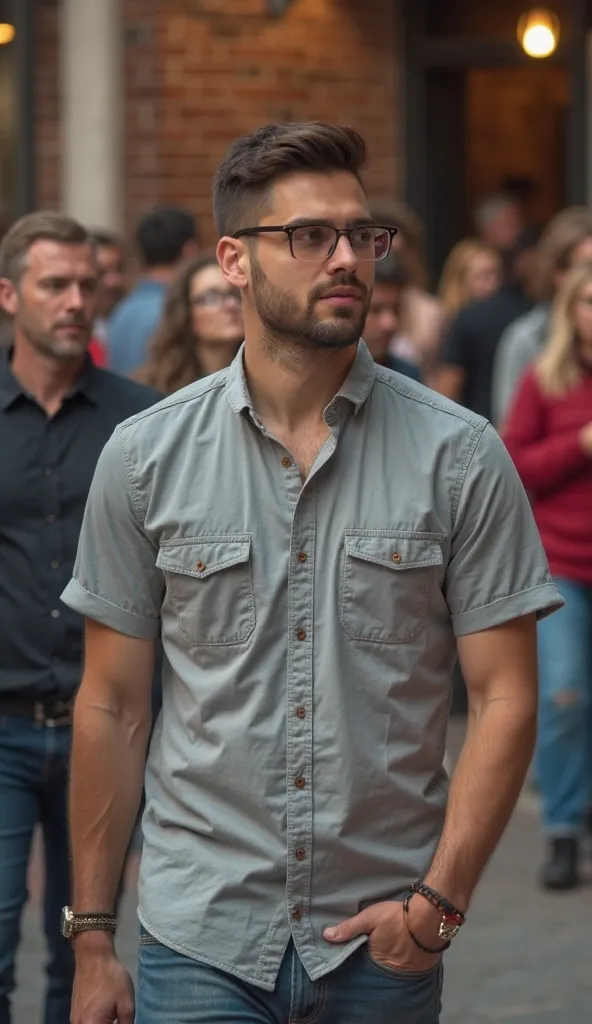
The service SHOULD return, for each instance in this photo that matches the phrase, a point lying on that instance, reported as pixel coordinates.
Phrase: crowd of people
(507, 334)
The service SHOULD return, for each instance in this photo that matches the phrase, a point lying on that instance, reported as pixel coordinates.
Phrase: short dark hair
(255, 162)
(105, 239)
(43, 225)
(392, 270)
(162, 233)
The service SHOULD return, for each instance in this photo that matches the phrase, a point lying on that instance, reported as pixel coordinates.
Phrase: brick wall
(200, 72)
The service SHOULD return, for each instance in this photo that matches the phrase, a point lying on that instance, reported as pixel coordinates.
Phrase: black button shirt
(46, 467)
(472, 342)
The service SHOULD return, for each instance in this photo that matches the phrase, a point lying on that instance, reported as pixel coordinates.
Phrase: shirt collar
(356, 387)
(87, 384)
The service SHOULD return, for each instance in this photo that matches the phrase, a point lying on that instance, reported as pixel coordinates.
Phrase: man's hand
(389, 942)
(103, 990)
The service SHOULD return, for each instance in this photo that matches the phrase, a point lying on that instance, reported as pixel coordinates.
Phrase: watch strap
(94, 922)
(73, 923)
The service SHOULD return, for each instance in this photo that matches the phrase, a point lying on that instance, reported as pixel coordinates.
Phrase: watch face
(67, 923)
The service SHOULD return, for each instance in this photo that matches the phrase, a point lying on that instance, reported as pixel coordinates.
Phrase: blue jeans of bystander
(564, 747)
(33, 788)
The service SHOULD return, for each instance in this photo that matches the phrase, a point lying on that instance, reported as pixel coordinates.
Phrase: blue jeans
(33, 788)
(173, 989)
(564, 746)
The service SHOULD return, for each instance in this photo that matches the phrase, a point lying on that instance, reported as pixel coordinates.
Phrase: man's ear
(8, 296)
(233, 258)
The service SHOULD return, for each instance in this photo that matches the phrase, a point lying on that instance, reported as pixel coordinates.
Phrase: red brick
(198, 74)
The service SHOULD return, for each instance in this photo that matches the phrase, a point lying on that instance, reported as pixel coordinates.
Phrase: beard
(287, 324)
(51, 342)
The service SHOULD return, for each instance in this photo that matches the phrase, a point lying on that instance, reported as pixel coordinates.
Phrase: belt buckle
(42, 718)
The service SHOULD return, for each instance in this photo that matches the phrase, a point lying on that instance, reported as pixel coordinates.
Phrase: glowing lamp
(538, 32)
(7, 33)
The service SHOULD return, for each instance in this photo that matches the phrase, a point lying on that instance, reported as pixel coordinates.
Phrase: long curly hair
(173, 356)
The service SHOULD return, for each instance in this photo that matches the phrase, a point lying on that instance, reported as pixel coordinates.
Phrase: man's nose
(344, 257)
(74, 297)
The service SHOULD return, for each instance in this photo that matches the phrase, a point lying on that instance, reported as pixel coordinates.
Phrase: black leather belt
(46, 712)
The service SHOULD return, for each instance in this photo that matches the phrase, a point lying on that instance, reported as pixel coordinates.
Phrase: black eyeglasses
(319, 241)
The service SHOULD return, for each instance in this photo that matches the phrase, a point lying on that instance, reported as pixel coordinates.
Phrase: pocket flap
(395, 551)
(202, 556)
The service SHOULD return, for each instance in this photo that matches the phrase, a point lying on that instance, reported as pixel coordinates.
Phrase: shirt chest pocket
(385, 584)
(210, 586)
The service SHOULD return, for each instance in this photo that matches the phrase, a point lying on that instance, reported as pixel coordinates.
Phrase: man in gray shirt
(315, 538)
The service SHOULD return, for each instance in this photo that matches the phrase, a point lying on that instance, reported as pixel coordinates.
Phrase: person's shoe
(561, 869)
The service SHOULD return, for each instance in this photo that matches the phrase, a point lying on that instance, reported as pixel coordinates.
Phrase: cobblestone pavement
(524, 956)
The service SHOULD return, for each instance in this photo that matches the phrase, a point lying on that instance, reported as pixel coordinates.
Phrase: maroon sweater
(542, 436)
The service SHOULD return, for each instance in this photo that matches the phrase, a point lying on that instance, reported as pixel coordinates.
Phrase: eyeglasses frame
(289, 230)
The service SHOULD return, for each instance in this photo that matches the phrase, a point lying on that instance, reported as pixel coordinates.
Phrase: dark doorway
(481, 115)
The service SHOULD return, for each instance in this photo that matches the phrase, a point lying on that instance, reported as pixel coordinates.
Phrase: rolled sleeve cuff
(108, 614)
(543, 599)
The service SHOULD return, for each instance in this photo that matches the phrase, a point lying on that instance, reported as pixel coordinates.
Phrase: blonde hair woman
(549, 436)
(472, 271)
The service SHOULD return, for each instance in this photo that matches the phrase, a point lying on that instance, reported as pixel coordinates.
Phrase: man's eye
(311, 236)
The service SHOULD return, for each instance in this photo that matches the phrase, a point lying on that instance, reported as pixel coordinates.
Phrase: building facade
(185, 78)
(108, 107)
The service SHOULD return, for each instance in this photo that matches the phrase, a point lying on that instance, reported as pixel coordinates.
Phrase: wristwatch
(73, 923)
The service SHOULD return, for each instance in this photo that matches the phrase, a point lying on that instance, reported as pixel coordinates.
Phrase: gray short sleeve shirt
(295, 773)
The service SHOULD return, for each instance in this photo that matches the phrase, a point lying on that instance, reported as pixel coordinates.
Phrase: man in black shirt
(56, 412)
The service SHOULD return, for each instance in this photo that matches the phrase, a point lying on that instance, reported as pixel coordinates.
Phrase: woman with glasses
(200, 331)
(549, 436)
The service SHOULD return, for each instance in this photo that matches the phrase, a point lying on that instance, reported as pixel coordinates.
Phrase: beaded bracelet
(438, 901)
(420, 945)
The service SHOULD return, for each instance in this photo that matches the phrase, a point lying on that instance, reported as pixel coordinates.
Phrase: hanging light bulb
(7, 33)
(538, 32)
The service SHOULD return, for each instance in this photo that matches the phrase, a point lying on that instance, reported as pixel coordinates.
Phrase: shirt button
(54, 564)
(300, 853)
(302, 556)
(396, 557)
(50, 518)
(301, 634)
(55, 613)
(297, 914)
(286, 462)
(200, 566)
(300, 782)
(48, 470)
(301, 712)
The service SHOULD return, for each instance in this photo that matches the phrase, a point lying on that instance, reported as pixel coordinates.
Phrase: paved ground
(525, 956)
